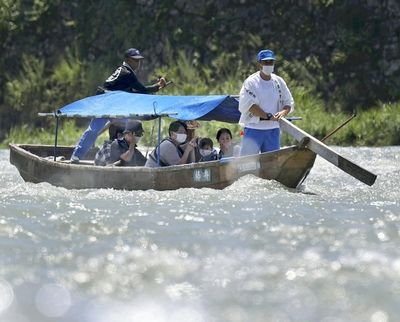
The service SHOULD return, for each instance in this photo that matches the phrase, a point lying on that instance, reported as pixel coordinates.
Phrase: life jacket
(153, 154)
(211, 157)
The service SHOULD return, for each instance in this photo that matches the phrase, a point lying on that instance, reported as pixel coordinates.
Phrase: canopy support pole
(55, 137)
(158, 140)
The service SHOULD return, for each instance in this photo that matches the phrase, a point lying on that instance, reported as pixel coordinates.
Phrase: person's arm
(115, 152)
(127, 155)
(247, 97)
(287, 100)
(157, 86)
(138, 87)
(249, 104)
(285, 111)
(258, 111)
(189, 152)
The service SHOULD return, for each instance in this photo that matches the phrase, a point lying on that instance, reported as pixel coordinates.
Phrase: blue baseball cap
(133, 53)
(266, 54)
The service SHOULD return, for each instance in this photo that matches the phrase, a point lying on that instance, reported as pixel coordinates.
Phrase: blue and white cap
(266, 54)
(133, 53)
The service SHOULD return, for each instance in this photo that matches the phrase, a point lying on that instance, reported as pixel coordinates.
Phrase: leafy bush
(37, 89)
(68, 134)
(378, 126)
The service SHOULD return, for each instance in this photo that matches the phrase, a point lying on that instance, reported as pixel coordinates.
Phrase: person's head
(224, 137)
(133, 58)
(205, 146)
(133, 131)
(116, 131)
(266, 60)
(178, 131)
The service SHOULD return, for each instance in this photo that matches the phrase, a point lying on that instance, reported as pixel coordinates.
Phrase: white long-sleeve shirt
(271, 95)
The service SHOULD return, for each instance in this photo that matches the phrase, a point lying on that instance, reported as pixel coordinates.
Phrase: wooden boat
(289, 166)
(35, 163)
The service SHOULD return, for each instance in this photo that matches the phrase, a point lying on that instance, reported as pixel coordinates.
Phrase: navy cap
(266, 55)
(134, 126)
(133, 53)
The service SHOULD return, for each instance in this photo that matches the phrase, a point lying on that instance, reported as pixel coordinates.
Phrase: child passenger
(207, 151)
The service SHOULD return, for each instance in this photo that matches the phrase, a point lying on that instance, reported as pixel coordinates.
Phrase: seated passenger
(125, 149)
(206, 150)
(172, 151)
(224, 137)
(115, 131)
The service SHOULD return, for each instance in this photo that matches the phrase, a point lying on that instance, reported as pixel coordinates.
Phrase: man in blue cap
(264, 99)
(123, 79)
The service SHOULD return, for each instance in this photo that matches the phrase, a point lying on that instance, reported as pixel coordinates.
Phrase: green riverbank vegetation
(338, 57)
(376, 126)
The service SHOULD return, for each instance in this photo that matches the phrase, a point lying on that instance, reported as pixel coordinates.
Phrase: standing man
(123, 79)
(264, 99)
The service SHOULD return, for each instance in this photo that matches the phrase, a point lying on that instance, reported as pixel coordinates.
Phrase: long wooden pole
(338, 128)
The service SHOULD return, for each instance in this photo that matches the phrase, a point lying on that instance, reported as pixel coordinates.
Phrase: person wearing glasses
(125, 150)
(264, 99)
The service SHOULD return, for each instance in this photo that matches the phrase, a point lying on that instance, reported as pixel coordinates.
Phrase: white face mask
(205, 153)
(137, 139)
(180, 137)
(268, 70)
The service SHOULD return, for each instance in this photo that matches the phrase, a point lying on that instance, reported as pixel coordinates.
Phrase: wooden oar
(328, 154)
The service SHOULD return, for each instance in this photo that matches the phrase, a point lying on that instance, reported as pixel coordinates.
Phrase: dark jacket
(124, 79)
(121, 146)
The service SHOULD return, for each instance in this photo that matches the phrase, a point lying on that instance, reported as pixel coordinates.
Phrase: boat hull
(288, 166)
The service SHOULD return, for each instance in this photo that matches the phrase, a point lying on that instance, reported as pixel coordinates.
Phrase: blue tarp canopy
(119, 104)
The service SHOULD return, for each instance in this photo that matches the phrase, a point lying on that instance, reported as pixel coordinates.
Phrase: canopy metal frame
(57, 116)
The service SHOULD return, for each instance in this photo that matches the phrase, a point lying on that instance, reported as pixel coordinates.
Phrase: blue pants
(256, 141)
(89, 137)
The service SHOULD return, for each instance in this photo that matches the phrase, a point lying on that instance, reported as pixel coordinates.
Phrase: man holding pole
(264, 99)
(124, 79)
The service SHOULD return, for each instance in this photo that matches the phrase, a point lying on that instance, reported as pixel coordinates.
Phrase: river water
(255, 251)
